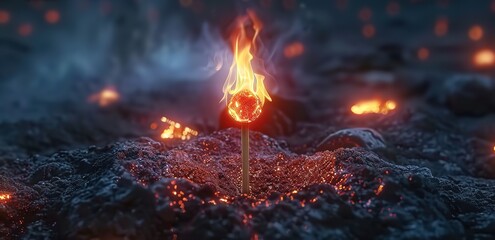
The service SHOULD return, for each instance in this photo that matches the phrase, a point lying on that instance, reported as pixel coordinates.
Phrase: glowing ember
(244, 90)
(373, 106)
(106, 97)
(244, 106)
(423, 53)
(475, 33)
(379, 189)
(484, 58)
(4, 197)
(175, 130)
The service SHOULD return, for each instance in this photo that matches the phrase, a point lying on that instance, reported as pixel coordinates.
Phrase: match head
(244, 106)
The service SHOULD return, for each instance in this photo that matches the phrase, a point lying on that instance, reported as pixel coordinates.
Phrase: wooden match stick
(245, 158)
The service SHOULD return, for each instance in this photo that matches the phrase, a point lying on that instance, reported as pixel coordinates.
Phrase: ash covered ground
(76, 169)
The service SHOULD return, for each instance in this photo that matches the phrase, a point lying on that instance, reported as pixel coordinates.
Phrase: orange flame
(373, 106)
(244, 89)
(175, 130)
(105, 97)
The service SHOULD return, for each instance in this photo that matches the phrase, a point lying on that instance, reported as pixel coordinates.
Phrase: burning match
(247, 119)
(244, 90)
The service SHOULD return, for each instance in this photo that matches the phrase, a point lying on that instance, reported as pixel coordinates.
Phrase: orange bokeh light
(4, 17)
(475, 32)
(25, 29)
(293, 50)
(423, 53)
(52, 16)
(393, 8)
(373, 106)
(484, 57)
(105, 97)
(365, 14)
(441, 26)
(368, 30)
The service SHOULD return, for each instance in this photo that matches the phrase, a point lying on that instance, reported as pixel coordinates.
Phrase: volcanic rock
(353, 137)
(468, 94)
(139, 190)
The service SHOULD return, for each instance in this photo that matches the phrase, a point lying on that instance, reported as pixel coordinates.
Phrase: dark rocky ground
(75, 170)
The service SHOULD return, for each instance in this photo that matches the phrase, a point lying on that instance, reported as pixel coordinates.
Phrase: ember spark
(373, 106)
(175, 130)
(4, 197)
